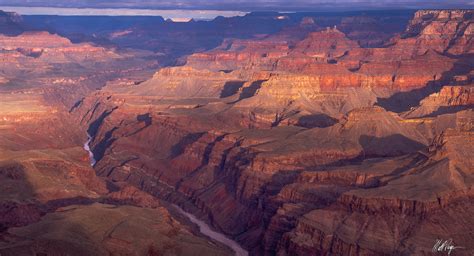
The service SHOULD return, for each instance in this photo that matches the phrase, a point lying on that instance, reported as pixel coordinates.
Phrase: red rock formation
(329, 43)
(450, 98)
(324, 61)
(443, 31)
(333, 229)
(258, 166)
(274, 142)
(53, 48)
(184, 82)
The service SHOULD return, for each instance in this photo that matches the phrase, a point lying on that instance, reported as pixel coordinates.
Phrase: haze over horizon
(247, 5)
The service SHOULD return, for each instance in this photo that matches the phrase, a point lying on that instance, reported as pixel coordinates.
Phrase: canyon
(290, 134)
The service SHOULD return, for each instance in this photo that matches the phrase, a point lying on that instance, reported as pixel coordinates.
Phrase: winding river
(203, 227)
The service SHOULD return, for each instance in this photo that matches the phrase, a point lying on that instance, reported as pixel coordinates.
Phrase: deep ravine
(203, 227)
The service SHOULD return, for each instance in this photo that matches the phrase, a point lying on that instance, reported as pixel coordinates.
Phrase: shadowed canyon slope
(342, 134)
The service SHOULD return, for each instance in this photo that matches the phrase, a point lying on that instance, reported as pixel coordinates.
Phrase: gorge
(203, 227)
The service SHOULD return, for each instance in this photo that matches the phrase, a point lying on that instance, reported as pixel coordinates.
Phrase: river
(88, 149)
(207, 231)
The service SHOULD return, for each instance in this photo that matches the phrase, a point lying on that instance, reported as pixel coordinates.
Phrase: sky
(248, 5)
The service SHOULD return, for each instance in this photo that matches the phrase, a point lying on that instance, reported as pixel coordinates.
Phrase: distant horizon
(175, 15)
